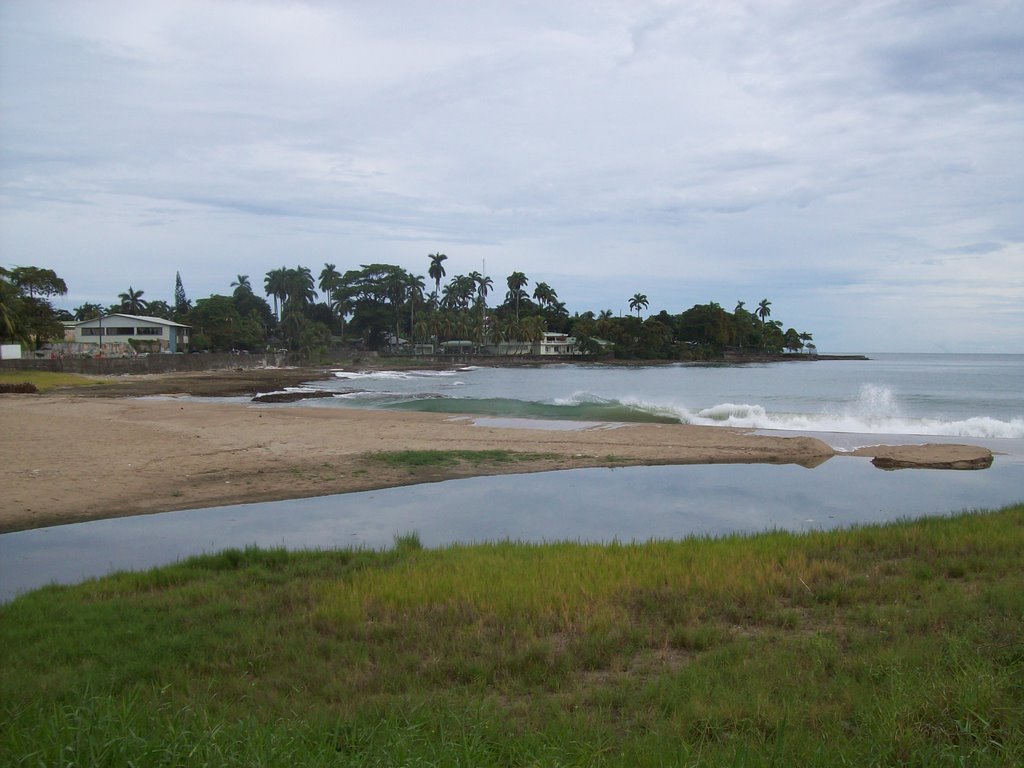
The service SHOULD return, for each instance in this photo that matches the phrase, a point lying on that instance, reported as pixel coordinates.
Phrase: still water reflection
(597, 505)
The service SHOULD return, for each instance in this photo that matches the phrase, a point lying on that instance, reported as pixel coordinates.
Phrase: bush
(26, 387)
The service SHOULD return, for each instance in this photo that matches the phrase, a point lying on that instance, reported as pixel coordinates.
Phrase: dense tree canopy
(383, 306)
(217, 325)
(26, 313)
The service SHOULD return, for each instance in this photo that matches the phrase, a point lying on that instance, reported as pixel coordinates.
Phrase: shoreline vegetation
(898, 644)
(131, 445)
(385, 307)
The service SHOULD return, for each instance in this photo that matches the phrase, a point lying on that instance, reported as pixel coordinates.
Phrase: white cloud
(692, 151)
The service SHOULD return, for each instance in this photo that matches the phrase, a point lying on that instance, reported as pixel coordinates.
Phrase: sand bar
(71, 457)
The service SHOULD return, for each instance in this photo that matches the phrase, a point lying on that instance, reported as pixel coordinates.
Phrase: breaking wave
(875, 411)
(607, 410)
(395, 375)
(756, 417)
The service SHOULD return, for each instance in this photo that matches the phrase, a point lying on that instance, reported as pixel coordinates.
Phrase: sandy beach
(68, 457)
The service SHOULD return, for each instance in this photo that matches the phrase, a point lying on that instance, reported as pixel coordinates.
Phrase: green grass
(893, 645)
(46, 380)
(444, 459)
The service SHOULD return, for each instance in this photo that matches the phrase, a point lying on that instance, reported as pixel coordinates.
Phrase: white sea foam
(392, 375)
(579, 398)
(876, 411)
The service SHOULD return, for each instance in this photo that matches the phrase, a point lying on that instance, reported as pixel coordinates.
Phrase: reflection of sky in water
(626, 504)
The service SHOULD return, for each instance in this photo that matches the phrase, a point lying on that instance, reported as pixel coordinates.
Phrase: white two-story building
(162, 335)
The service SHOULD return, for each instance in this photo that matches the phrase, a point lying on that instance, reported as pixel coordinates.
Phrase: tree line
(384, 306)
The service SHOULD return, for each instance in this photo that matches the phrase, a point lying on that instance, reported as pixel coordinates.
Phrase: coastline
(110, 451)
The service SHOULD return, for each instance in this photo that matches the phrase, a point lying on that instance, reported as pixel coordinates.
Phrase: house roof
(154, 320)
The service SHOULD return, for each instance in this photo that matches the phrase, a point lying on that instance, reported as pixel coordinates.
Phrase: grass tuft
(446, 459)
(43, 380)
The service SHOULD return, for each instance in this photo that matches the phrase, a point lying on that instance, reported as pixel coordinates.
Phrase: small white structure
(162, 335)
(555, 344)
(10, 351)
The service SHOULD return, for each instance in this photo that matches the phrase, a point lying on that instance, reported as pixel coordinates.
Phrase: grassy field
(894, 645)
(46, 380)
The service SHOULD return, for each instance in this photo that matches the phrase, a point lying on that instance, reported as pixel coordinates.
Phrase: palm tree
(341, 305)
(460, 326)
(532, 328)
(516, 282)
(330, 279)
(12, 324)
(545, 294)
(459, 292)
(450, 296)
(483, 285)
(763, 311)
(132, 302)
(397, 290)
(242, 285)
(88, 311)
(638, 302)
(436, 270)
(300, 287)
(444, 324)
(276, 284)
(497, 329)
(421, 330)
(507, 330)
(415, 287)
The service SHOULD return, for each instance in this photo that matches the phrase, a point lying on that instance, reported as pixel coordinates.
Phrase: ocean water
(972, 396)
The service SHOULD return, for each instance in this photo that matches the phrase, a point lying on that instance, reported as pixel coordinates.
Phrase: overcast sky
(860, 164)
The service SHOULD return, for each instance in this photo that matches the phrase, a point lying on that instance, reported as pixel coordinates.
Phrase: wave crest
(860, 420)
(399, 375)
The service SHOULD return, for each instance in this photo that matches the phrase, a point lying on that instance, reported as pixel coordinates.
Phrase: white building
(161, 335)
(549, 345)
(555, 344)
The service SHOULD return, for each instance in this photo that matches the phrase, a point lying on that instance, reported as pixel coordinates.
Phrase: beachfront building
(135, 332)
(549, 345)
(558, 344)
